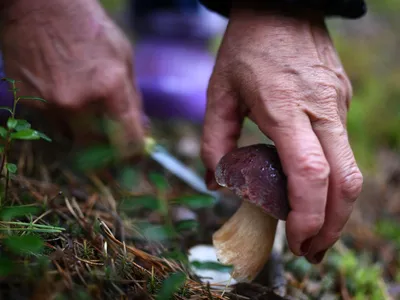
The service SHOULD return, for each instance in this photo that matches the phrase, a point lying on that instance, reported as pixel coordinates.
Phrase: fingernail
(306, 246)
(319, 257)
(210, 180)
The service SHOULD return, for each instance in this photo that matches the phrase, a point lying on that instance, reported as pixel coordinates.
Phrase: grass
(73, 242)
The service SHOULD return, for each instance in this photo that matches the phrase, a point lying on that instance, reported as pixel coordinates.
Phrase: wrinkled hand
(72, 54)
(284, 74)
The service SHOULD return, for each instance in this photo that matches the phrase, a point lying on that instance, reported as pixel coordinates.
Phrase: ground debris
(116, 243)
(253, 291)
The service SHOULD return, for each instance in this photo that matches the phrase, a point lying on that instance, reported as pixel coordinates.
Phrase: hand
(284, 74)
(72, 54)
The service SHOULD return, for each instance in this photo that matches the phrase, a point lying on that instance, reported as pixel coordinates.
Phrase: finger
(124, 107)
(222, 126)
(345, 185)
(307, 172)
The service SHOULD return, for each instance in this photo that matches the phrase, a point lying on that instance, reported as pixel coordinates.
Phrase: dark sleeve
(349, 9)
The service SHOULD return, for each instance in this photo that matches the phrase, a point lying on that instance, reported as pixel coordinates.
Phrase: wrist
(349, 9)
(281, 37)
(276, 22)
(277, 10)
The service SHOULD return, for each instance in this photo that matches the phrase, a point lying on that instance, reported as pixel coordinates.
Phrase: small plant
(19, 238)
(16, 129)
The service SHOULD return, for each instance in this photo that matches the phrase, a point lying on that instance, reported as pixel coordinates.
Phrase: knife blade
(161, 155)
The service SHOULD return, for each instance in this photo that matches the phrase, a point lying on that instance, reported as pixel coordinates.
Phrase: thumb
(222, 126)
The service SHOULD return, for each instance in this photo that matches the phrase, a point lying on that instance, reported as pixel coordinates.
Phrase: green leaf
(31, 98)
(12, 168)
(348, 263)
(6, 108)
(112, 6)
(6, 266)
(12, 123)
(163, 207)
(195, 201)
(24, 244)
(1, 149)
(31, 227)
(159, 181)
(137, 202)
(8, 80)
(158, 232)
(187, 225)
(300, 267)
(172, 284)
(26, 134)
(44, 137)
(11, 212)
(95, 157)
(3, 132)
(328, 281)
(22, 125)
(211, 265)
(128, 177)
(388, 229)
(82, 294)
(333, 261)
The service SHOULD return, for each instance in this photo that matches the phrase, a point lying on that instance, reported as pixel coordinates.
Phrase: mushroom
(255, 174)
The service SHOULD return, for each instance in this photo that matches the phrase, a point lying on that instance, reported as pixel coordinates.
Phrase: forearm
(351, 9)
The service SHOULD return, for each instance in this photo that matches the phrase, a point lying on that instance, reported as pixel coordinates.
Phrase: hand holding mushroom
(284, 74)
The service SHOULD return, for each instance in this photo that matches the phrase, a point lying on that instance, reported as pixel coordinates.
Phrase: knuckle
(327, 118)
(115, 77)
(351, 184)
(217, 84)
(330, 123)
(349, 89)
(329, 90)
(214, 89)
(314, 167)
(328, 86)
(64, 99)
(68, 103)
(345, 83)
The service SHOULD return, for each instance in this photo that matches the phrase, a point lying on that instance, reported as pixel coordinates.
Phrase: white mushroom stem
(245, 241)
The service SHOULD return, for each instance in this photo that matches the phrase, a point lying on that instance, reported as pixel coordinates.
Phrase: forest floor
(78, 225)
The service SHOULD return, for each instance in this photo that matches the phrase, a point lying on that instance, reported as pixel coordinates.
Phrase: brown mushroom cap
(255, 174)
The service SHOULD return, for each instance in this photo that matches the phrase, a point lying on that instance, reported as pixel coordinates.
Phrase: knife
(161, 155)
